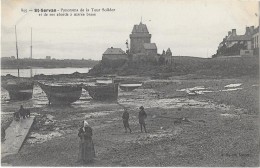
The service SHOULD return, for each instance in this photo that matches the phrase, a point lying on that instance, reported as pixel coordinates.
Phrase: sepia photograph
(133, 83)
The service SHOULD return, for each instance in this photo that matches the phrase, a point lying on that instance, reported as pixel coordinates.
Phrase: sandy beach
(202, 122)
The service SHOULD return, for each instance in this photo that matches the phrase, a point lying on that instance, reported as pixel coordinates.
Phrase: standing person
(22, 111)
(142, 116)
(125, 120)
(86, 145)
(16, 116)
(2, 134)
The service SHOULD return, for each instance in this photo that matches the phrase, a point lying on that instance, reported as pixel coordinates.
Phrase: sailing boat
(129, 85)
(19, 88)
(103, 92)
(61, 93)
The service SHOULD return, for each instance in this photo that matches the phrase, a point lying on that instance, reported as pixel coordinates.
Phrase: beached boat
(118, 80)
(104, 81)
(61, 94)
(18, 88)
(129, 87)
(103, 92)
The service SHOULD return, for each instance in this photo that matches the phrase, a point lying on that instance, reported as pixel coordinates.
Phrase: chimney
(252, 29)
(234, 33)
(229, 33)
(247, 31)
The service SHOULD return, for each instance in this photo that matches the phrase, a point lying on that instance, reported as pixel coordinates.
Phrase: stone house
(255, 41)
(243, 45)
(150, 49)
(114, 54)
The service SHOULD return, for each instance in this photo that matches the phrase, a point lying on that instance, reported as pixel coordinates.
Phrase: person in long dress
(86, 145)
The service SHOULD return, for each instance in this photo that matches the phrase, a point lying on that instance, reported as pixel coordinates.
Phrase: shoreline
(45, 68)
(215, 122)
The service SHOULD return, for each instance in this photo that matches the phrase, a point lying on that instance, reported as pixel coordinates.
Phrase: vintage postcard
(171, 83)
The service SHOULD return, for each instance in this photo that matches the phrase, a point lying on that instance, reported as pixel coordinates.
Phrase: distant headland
(12, 63)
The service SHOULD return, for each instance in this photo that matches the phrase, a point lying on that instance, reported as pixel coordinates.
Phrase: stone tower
(139, 36)
(168, 52)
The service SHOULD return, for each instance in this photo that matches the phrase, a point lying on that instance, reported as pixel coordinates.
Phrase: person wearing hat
(142, 116)
(2, 134)
(86, 145)
(125, 120)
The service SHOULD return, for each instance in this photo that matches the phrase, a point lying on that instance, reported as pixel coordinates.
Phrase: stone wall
(115, 57)
(246, 52)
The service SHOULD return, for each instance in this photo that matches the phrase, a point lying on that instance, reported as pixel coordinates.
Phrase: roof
(150, 46)
(239, 38)
(114, 51)
(141, 28)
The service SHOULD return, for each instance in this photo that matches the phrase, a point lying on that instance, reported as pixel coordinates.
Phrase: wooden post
(17, 51)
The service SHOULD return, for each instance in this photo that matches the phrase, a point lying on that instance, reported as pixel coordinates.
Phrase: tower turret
(139, 36)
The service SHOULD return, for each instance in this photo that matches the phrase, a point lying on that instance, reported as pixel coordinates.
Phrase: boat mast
(31, 53)
(17, 51)
(31, 43)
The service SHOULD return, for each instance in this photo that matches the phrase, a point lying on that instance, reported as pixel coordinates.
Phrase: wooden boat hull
(129, 85)
(61, 94)
(104, 81)
(103, 92)
(118, 80)
(19, 89)
(128, 88)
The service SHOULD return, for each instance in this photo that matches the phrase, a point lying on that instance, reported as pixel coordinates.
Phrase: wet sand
(215, 128)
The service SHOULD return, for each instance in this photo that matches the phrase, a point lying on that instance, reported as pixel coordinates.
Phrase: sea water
(45, 71)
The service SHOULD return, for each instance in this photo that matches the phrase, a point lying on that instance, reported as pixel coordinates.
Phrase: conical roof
(168, 50)
(141, 28)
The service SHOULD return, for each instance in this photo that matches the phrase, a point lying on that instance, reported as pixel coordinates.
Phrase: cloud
(187, 27)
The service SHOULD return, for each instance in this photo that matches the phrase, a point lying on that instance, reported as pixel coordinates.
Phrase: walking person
(142, 116)
(125, 120)
(86, 145)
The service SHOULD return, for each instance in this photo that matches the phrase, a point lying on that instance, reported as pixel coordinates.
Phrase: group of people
(86, 145)
(141, 116)
(22, 113)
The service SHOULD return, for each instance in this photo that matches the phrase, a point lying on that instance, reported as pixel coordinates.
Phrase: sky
(187, 27)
